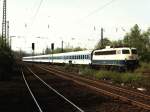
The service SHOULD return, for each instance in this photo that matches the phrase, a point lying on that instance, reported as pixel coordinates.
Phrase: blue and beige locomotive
(123, 57)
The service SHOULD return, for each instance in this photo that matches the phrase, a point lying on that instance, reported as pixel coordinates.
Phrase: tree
(106, 42)
(67, 49)
(117, 43)
(141, 41)
(6, 61)
(134, 38)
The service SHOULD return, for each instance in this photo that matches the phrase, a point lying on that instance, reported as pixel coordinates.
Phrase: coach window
(80, 56)
(87, 56)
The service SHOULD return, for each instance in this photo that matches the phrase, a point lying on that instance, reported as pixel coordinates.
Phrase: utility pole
(102, 38)
(62, 45)
(4, 24)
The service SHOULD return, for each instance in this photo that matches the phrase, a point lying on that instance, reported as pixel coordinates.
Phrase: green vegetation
(59, 50)
(6, 61)
(134, 79)
(135, 38)
(131, 79)
(144, 68)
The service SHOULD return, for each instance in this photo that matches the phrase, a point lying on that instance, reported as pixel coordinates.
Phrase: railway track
(132, 97)
(46, 94)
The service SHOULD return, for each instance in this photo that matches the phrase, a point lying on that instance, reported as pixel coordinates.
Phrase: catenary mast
(4, 24)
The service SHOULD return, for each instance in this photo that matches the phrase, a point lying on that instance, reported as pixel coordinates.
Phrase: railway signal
(33, 46)
(52, 47)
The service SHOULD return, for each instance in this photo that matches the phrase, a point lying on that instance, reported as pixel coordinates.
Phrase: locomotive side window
(134, 51)
(106, 52)
(125, 52)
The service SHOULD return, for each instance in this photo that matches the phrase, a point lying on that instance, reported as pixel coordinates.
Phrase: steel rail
(33, 97)
(78, 108)
(133, 102)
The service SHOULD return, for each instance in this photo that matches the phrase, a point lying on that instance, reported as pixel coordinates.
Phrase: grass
(128, 78)
(134, 79)
(143, 67)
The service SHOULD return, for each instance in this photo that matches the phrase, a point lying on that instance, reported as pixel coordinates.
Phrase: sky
(76, 22)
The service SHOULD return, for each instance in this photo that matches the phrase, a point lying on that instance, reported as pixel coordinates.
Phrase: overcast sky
(76, 22)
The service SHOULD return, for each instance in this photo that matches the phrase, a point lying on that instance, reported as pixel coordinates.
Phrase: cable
(100, 8)
(37, 11)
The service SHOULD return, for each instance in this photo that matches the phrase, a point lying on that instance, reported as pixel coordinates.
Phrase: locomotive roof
(119, 48)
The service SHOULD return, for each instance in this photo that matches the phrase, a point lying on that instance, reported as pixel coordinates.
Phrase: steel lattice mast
(4, 23)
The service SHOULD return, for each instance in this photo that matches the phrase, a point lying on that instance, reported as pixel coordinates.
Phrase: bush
(133, 79)
(6, 63)
(145, 57)
(130, 78)
(86, 71)
(143, 67)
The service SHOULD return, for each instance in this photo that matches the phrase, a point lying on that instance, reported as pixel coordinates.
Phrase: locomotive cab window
(134, 51)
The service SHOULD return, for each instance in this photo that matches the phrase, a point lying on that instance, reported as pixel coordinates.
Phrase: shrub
(143, 67)
(87, 71)
(6, 63)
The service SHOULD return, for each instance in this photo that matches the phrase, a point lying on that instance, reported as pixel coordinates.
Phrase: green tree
(117, 43)
(78, 49)
(6, 61)
(106, 42)
(134, 38)
(67, 49)
(141, 41)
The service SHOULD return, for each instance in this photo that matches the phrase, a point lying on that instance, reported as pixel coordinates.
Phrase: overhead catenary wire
(29, 26)
(100, 8)
(37, 11)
